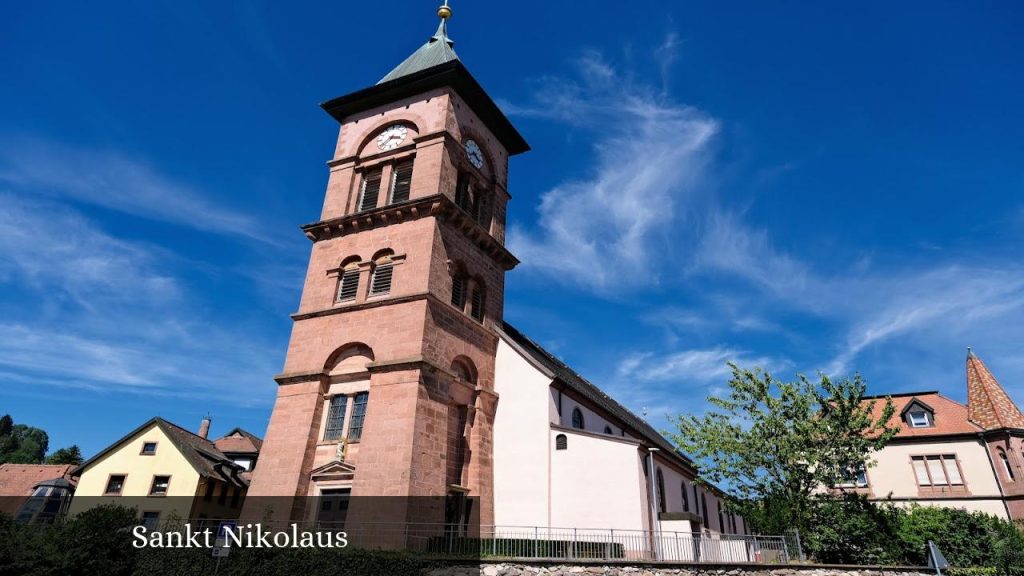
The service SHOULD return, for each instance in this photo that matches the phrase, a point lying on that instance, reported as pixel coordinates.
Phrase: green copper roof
(437, 50)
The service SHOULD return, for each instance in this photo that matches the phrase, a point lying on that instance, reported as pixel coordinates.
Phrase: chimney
(204, 426)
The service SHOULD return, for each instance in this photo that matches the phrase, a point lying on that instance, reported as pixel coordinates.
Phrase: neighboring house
(166, 471)
(401, 376)
(950, 454)
(48, 486)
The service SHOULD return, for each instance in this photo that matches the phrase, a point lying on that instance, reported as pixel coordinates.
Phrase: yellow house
(165, 471)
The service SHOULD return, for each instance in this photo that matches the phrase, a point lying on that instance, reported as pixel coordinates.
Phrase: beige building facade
(951, 454)
(166, 471)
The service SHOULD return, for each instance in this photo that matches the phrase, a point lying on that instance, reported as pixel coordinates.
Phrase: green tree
(772, 444)
(21, 444)
(70, 455)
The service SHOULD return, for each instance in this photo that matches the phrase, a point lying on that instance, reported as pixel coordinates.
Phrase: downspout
(995, 471)
(652, 494)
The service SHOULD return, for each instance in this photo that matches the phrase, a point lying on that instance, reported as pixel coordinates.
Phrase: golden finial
(444, 11)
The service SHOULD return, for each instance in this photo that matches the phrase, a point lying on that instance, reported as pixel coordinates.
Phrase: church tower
(388, 383)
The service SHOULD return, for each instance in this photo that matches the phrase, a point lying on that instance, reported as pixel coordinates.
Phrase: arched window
(686, 497)
(704, 508)
(577, 418)
(1006, 465)
(661, 491)
(561, 442)
(348, 280)
(383, 269)
(464, 369)
(608, 430)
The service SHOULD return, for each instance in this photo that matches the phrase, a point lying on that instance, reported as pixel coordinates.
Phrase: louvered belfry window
(476, 304)
(348, 285)
(371, 190)
(464, 192)
(483, 209)
(458, 291)
(401, 182)
(336, 417)
(381, 281)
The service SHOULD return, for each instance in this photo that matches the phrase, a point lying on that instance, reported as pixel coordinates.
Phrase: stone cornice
(436, 205)
(297, 377)
(486, 330)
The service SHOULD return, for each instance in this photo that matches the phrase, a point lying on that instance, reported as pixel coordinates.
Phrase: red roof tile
(20, 479)
(950, 417)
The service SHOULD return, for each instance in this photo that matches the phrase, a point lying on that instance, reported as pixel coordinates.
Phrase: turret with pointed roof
(989, 406)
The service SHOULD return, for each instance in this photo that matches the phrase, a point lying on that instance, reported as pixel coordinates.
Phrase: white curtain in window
(921, 472)
(953, 471)
(935, 467)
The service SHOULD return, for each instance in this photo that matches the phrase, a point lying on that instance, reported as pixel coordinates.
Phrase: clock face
(391, 137)
(476, 156)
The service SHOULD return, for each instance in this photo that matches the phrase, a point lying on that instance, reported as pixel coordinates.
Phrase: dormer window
(917, 414)
(919, 419)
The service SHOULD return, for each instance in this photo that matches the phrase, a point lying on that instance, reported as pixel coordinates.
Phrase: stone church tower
(388, 383)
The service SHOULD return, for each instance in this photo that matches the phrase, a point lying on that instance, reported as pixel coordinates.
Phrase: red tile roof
(990, 406)
(20, 479)
(239, 441)
(950, 417)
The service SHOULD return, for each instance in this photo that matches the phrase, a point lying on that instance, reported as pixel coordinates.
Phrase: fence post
(785, 551)
(572, 545)
(611, 544)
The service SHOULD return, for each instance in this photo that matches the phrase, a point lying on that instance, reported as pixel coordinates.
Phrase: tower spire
(438, 50)
(988, 404)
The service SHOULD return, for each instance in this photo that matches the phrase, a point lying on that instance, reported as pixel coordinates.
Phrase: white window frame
(915, 423)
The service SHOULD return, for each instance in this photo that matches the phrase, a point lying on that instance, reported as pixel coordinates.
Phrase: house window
(704, 508)
(476, 302)
(577, 418)
(348, 284)
(381, 281)
(151, 520)
(401, 182)
(148, 448)
(1006, 465)
(661, 491)
(159, 487)
(854, 478)
(686, 498)
(335, 417)
(115, 484)
(937, 470)
(370, 191)
(608, 430)
(355, 426)
(561, 442)
(919, 419)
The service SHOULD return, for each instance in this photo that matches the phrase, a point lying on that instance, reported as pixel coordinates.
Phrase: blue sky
(797, 185)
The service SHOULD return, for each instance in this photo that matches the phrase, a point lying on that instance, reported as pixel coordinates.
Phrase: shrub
(851, 530)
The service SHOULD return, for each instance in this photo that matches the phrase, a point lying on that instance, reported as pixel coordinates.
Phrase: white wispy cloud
(645, 212)
(609, 227)
(118, 181)
(701, 366)
(85, 309)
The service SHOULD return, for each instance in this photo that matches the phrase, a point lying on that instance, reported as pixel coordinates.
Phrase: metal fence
(535, 542)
